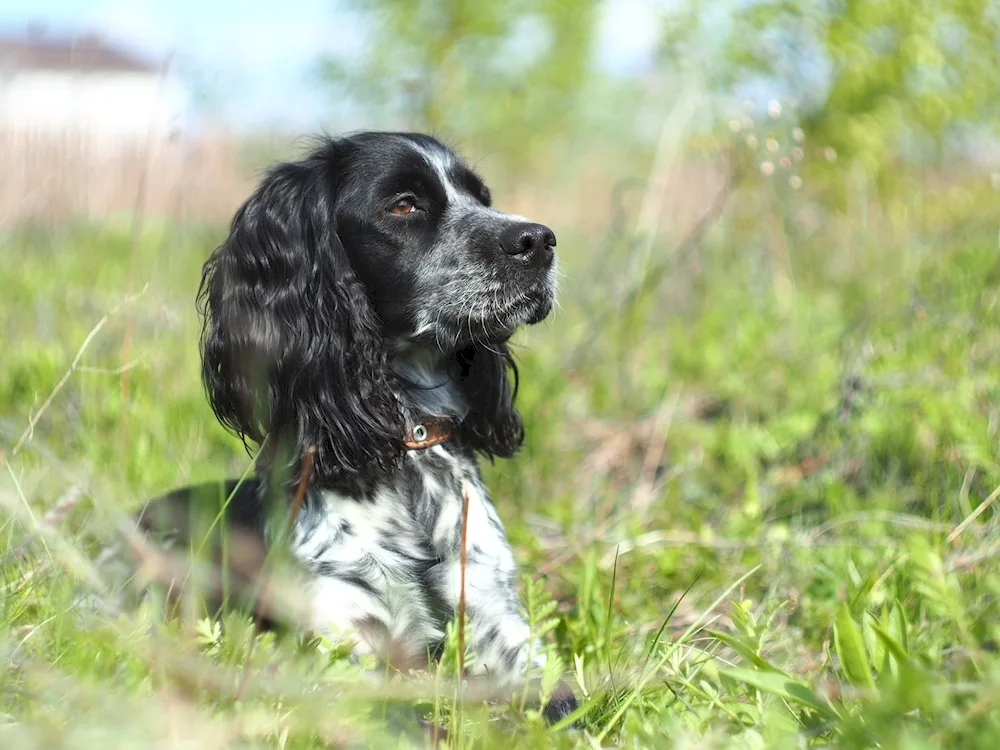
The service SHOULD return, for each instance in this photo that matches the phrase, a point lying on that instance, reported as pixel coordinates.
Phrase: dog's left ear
(489, 381)
(292, 349)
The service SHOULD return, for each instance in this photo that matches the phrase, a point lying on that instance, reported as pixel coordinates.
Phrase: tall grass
(756, 504)
(58, 176)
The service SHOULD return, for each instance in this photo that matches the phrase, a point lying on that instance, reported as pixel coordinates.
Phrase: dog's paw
(560, 705)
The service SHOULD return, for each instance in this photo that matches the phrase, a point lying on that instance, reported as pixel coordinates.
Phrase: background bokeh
(762, 453)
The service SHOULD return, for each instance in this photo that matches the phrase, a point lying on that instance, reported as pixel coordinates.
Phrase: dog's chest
(397, 531)
(390, 557)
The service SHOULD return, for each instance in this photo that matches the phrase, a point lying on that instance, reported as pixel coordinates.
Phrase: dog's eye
(403, 206)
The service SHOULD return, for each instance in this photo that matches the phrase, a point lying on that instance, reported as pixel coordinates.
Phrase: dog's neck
(428, 388)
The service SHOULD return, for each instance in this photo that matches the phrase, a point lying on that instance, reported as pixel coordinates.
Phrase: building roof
(87, 53)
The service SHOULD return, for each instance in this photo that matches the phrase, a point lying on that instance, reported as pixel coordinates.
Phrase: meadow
(756, 507)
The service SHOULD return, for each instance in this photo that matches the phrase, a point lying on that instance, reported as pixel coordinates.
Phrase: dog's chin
(495, 327)
(532, 308)
(539, 309)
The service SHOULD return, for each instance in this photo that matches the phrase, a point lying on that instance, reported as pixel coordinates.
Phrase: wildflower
(734, 125)
(752, 142)
(772, 144)
(798, 135)
(830, 153)
(766, 168)
(774, 109)
(795, 181)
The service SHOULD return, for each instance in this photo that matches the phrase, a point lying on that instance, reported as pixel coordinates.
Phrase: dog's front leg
(363, 589)
(499, 638)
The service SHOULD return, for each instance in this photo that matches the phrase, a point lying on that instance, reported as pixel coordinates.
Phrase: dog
(356, 328)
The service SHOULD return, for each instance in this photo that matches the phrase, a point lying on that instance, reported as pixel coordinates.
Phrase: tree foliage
(872, 77)
(492, 72)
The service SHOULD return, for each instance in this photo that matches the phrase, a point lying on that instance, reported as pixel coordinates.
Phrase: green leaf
(782, 686)
(743, 649)
(876, 649)
(551, 675)
(898, 626)
(897, 653)
(851, 649)
(896, 629)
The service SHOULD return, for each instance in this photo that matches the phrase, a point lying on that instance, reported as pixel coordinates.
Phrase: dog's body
(358, 314)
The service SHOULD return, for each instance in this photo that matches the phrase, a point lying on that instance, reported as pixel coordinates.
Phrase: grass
(756, 507)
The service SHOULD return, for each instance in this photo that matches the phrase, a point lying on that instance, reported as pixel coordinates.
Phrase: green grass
(755, 508)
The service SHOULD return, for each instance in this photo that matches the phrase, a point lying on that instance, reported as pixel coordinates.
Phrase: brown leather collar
(427, 432)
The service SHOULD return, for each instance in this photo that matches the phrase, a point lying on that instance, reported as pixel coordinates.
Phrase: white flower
(798, 135)
(766, 168)
(797, 153)
(830, 153)
(752, 142)
(785, 162)
(734, 125)
(795, 181)
(772, 145)
(774, 109)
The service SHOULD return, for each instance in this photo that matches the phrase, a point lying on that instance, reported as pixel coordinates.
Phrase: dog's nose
(533, 242)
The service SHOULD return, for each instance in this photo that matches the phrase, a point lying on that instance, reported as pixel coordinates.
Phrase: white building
(85, 86)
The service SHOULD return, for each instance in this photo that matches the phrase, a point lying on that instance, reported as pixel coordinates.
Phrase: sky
(256, 60)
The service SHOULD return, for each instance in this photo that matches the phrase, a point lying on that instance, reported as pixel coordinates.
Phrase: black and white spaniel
(356, 320)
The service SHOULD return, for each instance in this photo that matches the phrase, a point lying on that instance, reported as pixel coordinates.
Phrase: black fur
(311, 284)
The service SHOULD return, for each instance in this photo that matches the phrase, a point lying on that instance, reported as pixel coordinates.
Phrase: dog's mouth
(525, 307)
(538, 305)
(488, 315)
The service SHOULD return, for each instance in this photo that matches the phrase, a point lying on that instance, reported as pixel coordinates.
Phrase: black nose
(533, 242)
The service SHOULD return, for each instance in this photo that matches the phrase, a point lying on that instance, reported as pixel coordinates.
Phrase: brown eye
(404, 206)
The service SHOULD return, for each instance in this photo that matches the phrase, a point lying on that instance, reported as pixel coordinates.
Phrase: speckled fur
(386, 568)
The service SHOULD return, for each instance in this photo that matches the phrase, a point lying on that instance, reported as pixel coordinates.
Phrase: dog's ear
(493, 426)
(292, 349)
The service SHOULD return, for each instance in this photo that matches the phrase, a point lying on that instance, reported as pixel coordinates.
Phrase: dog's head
(440, 264)
(373, 244)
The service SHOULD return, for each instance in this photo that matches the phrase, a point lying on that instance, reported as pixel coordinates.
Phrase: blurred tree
(874, 79)
(502, 73)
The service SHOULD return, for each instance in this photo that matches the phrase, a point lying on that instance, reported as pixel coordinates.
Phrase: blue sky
(257, 58)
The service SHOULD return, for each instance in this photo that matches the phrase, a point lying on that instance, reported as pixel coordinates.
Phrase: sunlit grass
(760, 497)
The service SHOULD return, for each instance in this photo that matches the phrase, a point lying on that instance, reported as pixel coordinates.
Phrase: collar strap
(427, 432)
